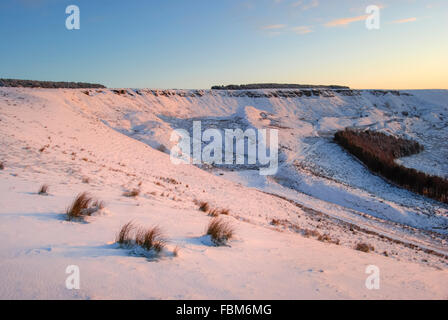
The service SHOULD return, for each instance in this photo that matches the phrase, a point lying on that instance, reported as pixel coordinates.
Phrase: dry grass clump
(204, 206)
(150, 239)
(44, 148)
(162, 148)
(214, 212)
(43, 190)
(328, 239)
(83, 205)
(132, 194)
(220, 231)
(146, 238)
(364, 247)
(124, 236)
(311, 233)
(275, 222)
(176, 251)
(2, 166)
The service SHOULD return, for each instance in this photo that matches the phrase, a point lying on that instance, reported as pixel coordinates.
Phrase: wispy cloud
(273, 27)
(302, 30)
(345, 21)
(362, 8)
(413, 19)
(306, 5)
(311, 4)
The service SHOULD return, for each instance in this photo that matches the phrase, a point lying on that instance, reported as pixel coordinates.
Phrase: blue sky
(199, 43)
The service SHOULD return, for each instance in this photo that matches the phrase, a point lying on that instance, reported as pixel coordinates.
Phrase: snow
(112, 140)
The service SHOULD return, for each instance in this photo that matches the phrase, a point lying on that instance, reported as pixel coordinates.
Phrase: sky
(200, 43)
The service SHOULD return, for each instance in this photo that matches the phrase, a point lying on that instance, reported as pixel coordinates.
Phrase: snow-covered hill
(286, 225)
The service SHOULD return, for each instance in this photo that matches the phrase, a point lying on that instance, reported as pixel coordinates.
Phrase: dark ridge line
(276, 86)
(280, 93)
(48, 84)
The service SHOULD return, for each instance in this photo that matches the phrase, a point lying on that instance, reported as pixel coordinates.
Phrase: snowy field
(295, 232)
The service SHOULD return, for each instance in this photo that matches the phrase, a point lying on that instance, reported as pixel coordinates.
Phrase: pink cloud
(405, 20)
(345, 21)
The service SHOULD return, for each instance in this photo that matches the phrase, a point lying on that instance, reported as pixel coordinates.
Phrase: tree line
(48, 84)
(378, 152)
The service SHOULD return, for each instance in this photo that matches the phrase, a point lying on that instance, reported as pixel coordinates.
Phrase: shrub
(311, 233)
(150, 239)
(220, 231)
(176, 251)
(162, 148)
(328, 239)
(124, 236)
(204, 206)
(213, 213)
(83, 205)
(98, 204)
(43, 189)
(378, 152)
(2, 166)
(364, 247)
(132, 194)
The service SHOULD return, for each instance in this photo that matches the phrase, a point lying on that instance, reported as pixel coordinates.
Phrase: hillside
(296, 232)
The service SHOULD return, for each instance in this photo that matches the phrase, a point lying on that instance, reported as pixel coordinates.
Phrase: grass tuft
(176, 251)
(150, 239)
(328, 239)
(43, 190)
(220, 231)
(124, 236)
(213, 213)
(204, 206)
(83, 205)
(132, 194)
(364, 247)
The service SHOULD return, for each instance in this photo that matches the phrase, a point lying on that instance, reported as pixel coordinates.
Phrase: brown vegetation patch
(132, 194)
(82, 206)
(220, 231)
(43, 190)
(364, 247)
(378, 152)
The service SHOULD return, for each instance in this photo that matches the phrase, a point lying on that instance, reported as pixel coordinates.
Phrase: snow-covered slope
(62, 137)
